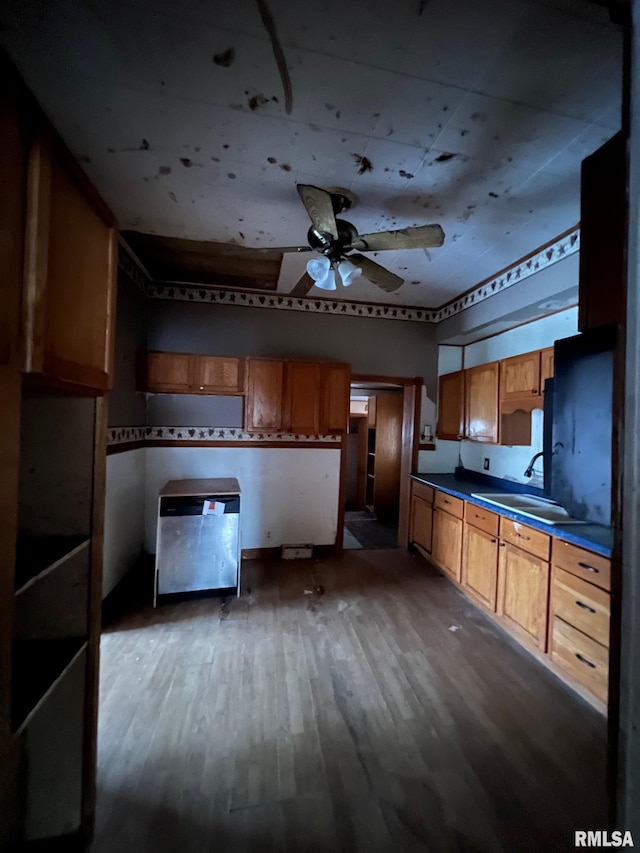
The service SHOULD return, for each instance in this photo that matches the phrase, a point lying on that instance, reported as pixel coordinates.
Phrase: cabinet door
(170, 372)
(520, 376)
(450, 406)
(523, 594)
(546, 366)
(447, 543)
(421, 523)
(481, 403)
(218, 375)
(335, 398)
(302, 398)
(263, 410)
(480, 565)
(70, 269)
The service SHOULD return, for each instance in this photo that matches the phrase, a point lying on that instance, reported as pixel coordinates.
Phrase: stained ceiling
(196, 119)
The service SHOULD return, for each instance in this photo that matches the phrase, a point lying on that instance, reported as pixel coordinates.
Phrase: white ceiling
(519, 92)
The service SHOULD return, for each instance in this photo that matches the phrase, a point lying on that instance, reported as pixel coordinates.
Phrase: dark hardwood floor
(349, 718)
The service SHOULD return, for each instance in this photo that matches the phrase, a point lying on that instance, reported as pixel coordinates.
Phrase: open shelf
(37, 666)
(37, 555)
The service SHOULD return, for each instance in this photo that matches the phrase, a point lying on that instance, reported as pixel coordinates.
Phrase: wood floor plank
(332, 708)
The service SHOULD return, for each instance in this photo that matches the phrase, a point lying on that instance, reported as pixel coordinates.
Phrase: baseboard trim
(274, 553)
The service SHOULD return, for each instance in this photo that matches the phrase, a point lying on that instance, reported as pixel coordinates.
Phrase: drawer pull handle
(584, 660)
(585, 606)
(520, 536)
(588, 567)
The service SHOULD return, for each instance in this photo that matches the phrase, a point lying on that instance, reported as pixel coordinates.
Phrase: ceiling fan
(335, 239)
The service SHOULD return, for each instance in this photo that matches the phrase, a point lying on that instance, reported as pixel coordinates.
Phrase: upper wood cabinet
(334, 415)
(265, 395)
(546, 366)
(218, 375)
(520, 376)
(315, 398)
(451, 406)
(186, 373)
(170, 372)
(302, 397)
(70, 272)
(481, 403)
(603, 212)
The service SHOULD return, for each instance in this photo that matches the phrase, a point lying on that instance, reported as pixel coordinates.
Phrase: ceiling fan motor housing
(325, 243)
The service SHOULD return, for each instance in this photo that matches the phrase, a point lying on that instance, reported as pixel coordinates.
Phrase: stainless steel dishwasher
(198, 537)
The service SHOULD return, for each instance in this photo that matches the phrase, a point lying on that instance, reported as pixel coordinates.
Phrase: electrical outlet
(486, 464)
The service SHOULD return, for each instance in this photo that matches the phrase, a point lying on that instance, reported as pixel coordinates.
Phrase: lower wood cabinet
(421, 523)
(523, 593)
(550, 594)
(447, 543)
(581, 657)
(480, 565)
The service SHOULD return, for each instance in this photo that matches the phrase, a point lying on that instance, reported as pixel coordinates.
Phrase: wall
(506, 462)
(377, 347)
(126, 404)
(123, 516)
(125, 478)
(289, 496)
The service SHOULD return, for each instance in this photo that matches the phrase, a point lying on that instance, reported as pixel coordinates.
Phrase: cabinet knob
(502, 544)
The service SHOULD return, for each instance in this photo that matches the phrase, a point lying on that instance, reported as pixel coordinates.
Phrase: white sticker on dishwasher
(213, 508)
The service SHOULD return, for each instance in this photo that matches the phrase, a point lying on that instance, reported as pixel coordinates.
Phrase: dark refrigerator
(578, 425)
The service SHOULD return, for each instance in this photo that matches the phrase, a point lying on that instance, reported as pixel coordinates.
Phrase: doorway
(373, 465)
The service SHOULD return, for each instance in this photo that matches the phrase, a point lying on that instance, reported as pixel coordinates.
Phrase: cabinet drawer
(530, 540)
(581, 657)
(449, 504)
(581, 604)
(481, 518)
(421, 490)
(585, 564)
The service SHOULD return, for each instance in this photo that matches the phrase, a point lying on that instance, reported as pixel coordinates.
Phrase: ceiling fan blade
(285, 249)
(420, 237)
(304, 285)
(376, 274)
(320, 209)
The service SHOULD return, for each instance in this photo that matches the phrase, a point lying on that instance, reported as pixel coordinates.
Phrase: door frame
(411, 401)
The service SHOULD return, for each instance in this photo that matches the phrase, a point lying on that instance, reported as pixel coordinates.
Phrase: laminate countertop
(594, 537)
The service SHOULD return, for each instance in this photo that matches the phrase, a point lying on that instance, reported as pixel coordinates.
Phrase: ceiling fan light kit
(335, 238)
(348, 271)
(328, 282)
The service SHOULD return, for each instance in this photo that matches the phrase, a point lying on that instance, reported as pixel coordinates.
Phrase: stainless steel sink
(542, 509)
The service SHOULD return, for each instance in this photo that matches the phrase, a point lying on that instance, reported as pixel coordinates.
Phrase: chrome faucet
(529, 470)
